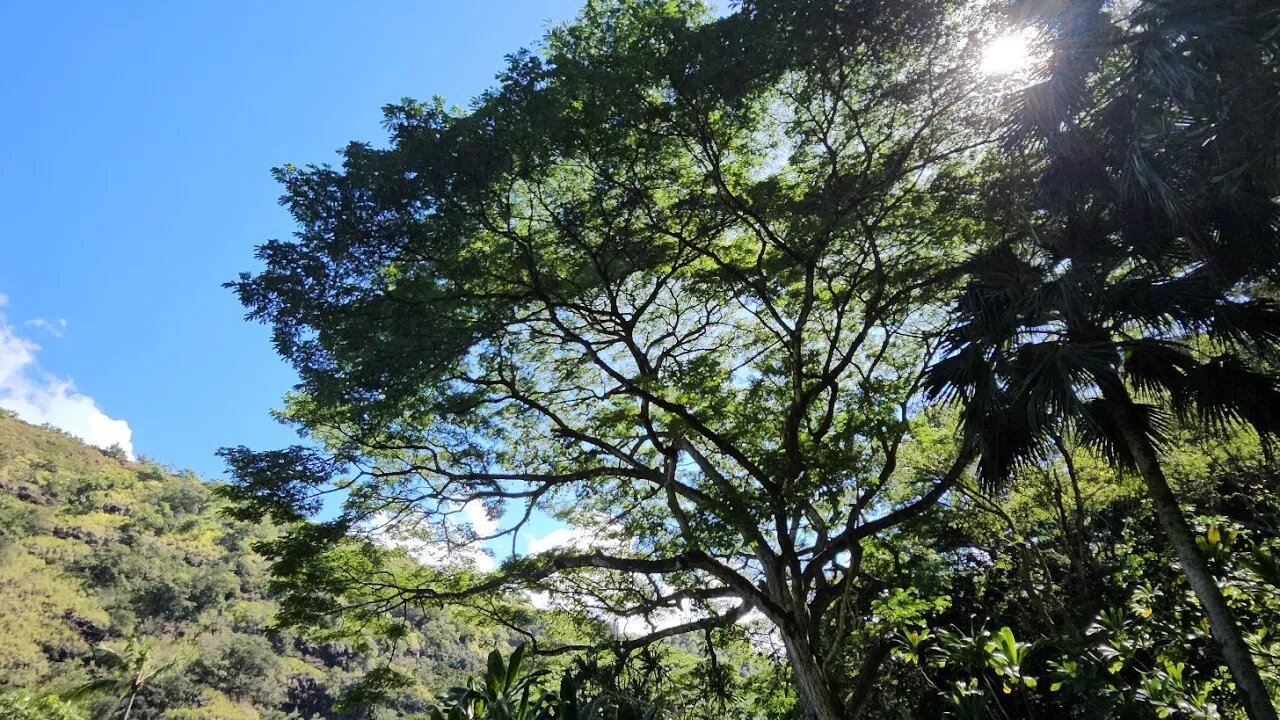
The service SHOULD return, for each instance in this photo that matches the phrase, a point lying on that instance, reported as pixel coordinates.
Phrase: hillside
(98, 550)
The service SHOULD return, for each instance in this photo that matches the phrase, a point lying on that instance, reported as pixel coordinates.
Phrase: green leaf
(513, 666)
(497, 671)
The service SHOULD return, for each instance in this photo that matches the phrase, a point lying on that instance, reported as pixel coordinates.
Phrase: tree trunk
(1081, 560)
(1222, 623)
(818, 700)
(128, 710)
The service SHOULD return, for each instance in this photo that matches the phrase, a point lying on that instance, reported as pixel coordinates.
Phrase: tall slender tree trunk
(818, 699)
(128, 710)
(1081, 561)
(1222, 624)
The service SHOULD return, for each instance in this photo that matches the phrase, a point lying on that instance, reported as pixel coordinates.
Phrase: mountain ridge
(96, 548)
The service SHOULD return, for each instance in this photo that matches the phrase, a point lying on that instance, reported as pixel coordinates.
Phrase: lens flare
(1007, 54)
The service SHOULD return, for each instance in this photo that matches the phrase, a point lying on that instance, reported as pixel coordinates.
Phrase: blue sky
(134, 181)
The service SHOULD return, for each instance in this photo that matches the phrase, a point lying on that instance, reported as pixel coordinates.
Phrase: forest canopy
(955, 386)
(121, 583)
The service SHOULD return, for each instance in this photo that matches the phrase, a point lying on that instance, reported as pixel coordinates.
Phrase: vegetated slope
(95, 549)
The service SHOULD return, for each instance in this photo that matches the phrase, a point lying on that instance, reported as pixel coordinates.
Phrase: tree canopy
(681, 281)
(1150, 220)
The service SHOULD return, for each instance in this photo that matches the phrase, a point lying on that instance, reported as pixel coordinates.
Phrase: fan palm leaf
(1132, 265)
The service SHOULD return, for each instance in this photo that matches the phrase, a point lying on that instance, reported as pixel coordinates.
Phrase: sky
(135, 181)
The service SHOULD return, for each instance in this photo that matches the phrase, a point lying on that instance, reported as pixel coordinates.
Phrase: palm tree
(130, 670)
(1136, 219)
(1039, 355)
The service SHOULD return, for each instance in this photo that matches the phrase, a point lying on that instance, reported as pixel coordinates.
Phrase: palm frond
(958, 375)
(1051, 374)
(1225, 392)
(100, 685)
(1004, 445)
(1251, 323)
(1156, 368)
(1098, 429)
(1008, 433)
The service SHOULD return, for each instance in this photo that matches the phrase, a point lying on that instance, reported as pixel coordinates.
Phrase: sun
(1008, 53)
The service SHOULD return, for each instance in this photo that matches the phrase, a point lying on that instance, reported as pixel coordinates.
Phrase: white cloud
(479, 518)
(424, 549)
(637, 625)
(565, 538)
(438, 555)
(39, 398)
(578, 538)
(582, 540)
(54, 328)
(540, 599)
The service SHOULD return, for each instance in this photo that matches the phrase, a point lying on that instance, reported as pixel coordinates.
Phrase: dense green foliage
(136, 558)
(870, 385)
(653, 286)
(21, 706)
(505, 692)
(743, 298)
(1123, 299)
(1062, 579)
(122, 579)
(1061, 600)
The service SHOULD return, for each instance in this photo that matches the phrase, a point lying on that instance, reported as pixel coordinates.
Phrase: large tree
(1140, 217)
(673, 283)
